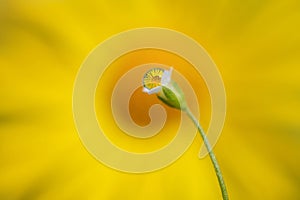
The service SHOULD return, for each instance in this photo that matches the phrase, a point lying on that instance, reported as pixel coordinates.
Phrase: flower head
(155, 78)
(158, 81)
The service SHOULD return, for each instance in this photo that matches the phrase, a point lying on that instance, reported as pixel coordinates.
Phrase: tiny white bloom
(155, 78)
(158, 81)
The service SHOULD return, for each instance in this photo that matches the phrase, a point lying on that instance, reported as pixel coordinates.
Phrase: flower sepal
(173, 96)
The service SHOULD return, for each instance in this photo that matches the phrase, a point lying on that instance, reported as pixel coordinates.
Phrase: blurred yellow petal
(256, 45)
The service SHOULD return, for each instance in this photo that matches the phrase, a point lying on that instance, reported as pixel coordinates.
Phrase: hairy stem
(211, 154)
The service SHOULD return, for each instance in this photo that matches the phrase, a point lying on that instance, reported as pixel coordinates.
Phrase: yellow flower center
(152, 78)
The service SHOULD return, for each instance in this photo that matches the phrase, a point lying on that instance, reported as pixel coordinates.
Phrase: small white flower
(158, 81)
(155, 78)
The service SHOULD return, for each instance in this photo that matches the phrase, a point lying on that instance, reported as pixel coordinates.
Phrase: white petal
(153, 90)
(166, 77)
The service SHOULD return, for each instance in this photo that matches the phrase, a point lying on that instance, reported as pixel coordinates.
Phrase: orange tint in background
(256, 46)
(141, 102)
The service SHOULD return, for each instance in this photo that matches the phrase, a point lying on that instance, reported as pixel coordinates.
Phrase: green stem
(211, 154)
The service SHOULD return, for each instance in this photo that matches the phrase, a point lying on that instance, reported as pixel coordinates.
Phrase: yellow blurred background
(255, 44)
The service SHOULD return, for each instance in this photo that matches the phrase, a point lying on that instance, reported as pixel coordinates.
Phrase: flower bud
(173, 96)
